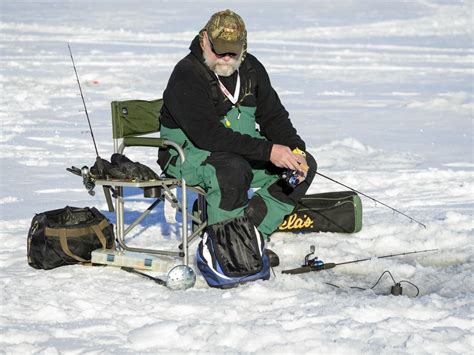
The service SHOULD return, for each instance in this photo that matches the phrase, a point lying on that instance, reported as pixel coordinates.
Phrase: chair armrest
(144, 142)
(150, 142)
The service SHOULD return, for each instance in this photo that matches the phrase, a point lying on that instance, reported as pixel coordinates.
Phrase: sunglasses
(229, 54)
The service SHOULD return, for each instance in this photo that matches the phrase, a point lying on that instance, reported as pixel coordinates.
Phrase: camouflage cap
(226, 31)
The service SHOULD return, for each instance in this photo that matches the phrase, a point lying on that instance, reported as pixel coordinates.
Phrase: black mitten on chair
(108, 170)
(132, 170)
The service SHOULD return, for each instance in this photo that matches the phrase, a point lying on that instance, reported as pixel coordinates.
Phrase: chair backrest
(135, 117)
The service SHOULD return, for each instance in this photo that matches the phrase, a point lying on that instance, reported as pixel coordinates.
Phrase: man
(220, 106)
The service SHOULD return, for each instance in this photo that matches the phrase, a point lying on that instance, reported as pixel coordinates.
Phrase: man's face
(222, 65)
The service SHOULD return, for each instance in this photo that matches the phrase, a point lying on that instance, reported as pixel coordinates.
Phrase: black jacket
(190, 104)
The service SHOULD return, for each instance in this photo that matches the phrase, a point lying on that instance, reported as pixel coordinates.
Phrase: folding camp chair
(131, 120)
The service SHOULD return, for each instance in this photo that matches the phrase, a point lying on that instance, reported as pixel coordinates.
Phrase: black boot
(272, 257)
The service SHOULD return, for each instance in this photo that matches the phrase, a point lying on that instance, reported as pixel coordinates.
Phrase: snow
(381, 91)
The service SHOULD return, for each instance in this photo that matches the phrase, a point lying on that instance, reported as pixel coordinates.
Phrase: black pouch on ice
(238, 247)
(232, 252)
(67, 236)
(339, 212)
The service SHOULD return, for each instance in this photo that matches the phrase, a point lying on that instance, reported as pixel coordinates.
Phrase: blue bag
(232, 252)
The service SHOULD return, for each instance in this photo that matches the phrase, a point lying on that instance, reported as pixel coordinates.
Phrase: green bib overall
(197, 170)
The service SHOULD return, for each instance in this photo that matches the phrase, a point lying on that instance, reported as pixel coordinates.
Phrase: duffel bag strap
(66, 250)
(98, 231)
(64, 233)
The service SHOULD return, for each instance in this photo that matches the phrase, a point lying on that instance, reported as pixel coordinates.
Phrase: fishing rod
(373, 199)
(83, 101)
(98, 161)
(315, 264)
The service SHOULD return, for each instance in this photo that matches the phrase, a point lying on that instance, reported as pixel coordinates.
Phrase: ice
(381, 92)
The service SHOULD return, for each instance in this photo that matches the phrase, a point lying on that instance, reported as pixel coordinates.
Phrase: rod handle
(327, 266)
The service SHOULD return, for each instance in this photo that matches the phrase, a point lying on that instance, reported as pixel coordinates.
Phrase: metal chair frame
(165, 184)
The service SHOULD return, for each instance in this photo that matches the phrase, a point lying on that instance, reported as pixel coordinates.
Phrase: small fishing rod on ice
(315, 264)
(100, 166)
(373, 199)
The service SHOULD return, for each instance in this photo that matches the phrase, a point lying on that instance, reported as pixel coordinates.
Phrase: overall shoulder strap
(211, 78)
(251, 75)
(250, 68)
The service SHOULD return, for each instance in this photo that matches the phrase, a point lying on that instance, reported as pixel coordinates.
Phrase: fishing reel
(88, 179)
(313, 262)
(291, 177)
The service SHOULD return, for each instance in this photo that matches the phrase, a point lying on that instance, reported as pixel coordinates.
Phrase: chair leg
(199, 218)
(184, 214)
(119, 217)
(202, 206)
(121, 232)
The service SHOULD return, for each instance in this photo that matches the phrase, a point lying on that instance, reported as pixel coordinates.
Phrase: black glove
(108, 170)
(132, 170)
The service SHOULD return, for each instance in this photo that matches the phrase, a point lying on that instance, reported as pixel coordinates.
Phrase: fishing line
(396, 289)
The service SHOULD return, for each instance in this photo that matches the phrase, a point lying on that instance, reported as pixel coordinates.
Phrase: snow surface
(380, 90)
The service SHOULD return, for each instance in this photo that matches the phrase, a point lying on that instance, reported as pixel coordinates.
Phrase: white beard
(222, 67)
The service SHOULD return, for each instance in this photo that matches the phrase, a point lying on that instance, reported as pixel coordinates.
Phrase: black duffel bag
(67, 236)
(339, 212)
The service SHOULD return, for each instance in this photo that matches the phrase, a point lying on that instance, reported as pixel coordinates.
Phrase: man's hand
(283, 157)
